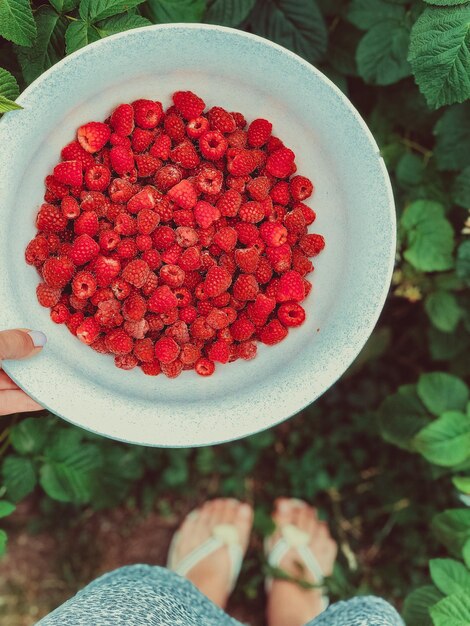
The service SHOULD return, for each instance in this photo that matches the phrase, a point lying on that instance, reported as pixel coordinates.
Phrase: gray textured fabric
(144, 595)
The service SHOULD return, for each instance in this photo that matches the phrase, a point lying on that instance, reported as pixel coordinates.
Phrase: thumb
(20, 343)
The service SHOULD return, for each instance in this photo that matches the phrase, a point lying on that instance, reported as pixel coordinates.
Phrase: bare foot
(288, 603)
(212, 575)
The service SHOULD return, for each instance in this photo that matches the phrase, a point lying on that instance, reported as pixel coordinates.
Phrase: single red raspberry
(122, 160)
(37, 251)
(88, 330)
(217, 281)
(97, 177)
(168, 176)
(122, 119)
(186, 236)
(174, 126)
(213, 145)
(93, 136)
(188, 104)
(280, 257)
(127, 248)
(120, 190)
(291, 287)
(242, 328)
(136, 272)
(273, 234)
(239, 119)
(74, 321)
(274, 143)
(226, 238)
(221, 300)
(189, 354)
(48, 296)
(272, 333)
(280, 162)
(125, 224)
(142, 200)
(217, 319)
(240, 162)
(84, 285)
(190, 259)
(179, 332)
(108, 313)
(261, 309)
(251, 212)
(237, 139)
(144, 350)
(118, 341)
(197, 127)
(120, 288)
(205, 214)
(147, 113)
(134, 308)
(57, 271)
(108, 240)
(209, 180)
(245, 287)
(229, 203)
(184, 218)
(118, 140)
(291, 314)
(69, 173)
(301, 263)
(152, 258)
(125, 361)
(70, 207)
(100, 295)
(247, 259)
(147, 221)
(151, 369)
(188, 313)
(204, 367)
(246, 350)
(221, 120)
(137, 330)
(172, 370)
(280, 193)
(142, 139)
(161, 147)
(294, 221)
(172, 275)
(86, 224)
(312, 244)
(94, 201)
(166, 350)
(185, 155)
(219, 351)
(258, 188)
(84, 249)
(74, 152)
(162, 300)
(106, 269)
(163, 237)
(300, 187)
(183, 194)
(247, 233)
(146, 165)
(308, 213)
(259, 131)
(60, 314)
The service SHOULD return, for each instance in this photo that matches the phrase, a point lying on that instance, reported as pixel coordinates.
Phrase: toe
(244, 522)
(229, 511)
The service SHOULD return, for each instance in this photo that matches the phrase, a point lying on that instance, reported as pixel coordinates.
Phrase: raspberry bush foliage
(385, 453)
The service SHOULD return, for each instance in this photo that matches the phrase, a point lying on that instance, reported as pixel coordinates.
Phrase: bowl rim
(381, 294)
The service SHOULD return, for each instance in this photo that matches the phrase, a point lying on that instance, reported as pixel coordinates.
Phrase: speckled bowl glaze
(353, 200)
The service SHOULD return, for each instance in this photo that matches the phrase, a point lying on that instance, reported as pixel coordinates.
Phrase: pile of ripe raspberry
(175, 239)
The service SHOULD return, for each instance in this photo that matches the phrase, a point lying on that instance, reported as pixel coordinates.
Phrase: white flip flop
(294, 538)
(222, 535)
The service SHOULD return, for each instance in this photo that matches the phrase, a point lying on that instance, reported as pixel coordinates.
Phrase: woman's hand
(17, 344)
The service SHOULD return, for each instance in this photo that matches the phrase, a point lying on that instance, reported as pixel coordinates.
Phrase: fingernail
(38, 337)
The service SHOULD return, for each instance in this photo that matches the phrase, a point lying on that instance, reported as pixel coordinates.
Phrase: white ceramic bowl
(353, 200)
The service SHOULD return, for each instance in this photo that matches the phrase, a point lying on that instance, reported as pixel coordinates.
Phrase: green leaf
(442, 392)
(446, 346)
(78, 35)
(228, 12)
(452, 528)
(17, 22)
(64, 6)
(446, 440)
(466, 553)
(462, 483)
(120, 23)
(367, 13)
(168, 11)
(430, 236)
(417, 604)
(453, 138)
(401, 416)
(462, 264)
(96, 10)
(298, 26)
(19, 477)
(8, 86)
(410, 170)
(120, 468)
(6, 508)
(440, 54)
(71, 476)
(342, 49)
(8, 105)
(461, 189)
(446, 3)
(30, 435)
(381, 54)
(449, 576)
(443, 310)
(452, 611)
(3, 542)
(48, 47)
